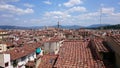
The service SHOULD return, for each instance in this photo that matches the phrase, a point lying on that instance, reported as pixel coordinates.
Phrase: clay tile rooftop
(99, 46)
(30, 63)
(116, 38)
(19, 52)
(77, 54)
(54, 39)
(47, 61)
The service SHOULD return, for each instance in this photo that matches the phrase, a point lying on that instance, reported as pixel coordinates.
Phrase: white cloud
(57, 14)
(94, 14)
(108, 10)
(56, 17)
(6, 1)
(47, 2)
(7, 15)
(15, 10)
(71, 3)
(28, 5)
(59, 5)
(85, 18)
(116, 14)
(77, 9)
(16, 19)
(64, 14)
(35, 20)
(119, 3)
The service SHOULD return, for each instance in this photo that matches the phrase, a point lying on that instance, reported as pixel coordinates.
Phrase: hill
(117, 26)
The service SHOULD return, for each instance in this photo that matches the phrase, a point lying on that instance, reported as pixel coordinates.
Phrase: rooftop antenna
(101, 16)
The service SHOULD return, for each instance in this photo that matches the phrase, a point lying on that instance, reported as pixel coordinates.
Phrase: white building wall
(57, 47)
(2, 60)
(3, 47)
(52, 47)
(5, 58)
(41, 53)
(21, 63)
(34, 55)
(0, 37)
(46, 46)
(31, 57)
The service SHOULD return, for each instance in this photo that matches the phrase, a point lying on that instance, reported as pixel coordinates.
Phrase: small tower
(58, 25)
(58, 28)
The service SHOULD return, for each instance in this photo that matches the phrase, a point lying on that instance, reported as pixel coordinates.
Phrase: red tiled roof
(20, 52)
(47, 61)
(30, 63)
(77, 54)
(54, 39)
(98, 45)
(116, 38)
(3, 31)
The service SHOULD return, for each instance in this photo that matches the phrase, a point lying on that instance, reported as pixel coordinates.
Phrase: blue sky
(67, 12)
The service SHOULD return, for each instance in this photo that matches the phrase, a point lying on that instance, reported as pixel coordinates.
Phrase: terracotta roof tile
(116, 38)
(98, 45)
(47, 61)
(19, 52)
(30, 63)
(77, 54)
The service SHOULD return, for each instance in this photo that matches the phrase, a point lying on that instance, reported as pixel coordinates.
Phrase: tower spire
(58, 24)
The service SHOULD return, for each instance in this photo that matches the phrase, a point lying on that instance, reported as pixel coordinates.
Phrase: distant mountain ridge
(117, 26)
(97, 25)
(39, 27)
(11, 27)
(69, 26)
(55, 26)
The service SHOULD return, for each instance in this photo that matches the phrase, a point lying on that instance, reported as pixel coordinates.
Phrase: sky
(67, 12)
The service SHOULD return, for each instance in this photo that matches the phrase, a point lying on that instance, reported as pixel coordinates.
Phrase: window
(0, 47)
(29, 67)
(23, 58)
(6, 64)
(29, 57)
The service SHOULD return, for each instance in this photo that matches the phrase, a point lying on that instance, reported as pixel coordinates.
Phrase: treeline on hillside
(117, 26)
(111, 27)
